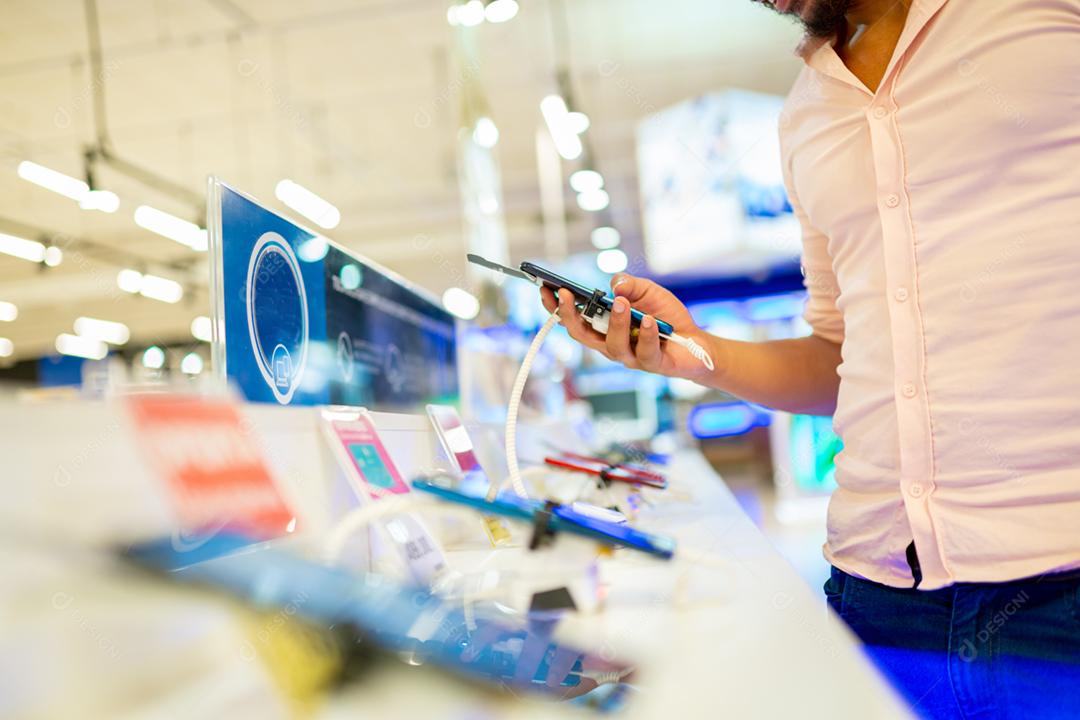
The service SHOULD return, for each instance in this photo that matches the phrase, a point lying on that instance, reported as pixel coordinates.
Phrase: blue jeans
(972, 650)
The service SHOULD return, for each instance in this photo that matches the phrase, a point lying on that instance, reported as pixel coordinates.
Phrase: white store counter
(727, 629)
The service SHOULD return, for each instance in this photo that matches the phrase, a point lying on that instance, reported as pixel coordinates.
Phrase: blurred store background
(596, 136)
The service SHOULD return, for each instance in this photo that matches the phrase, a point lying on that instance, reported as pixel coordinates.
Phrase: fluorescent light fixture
(202, 328)
(577, 122)
(150, 286)
(50, 179)
(163, 289)
(129, 281)
(7, 348)
(501, 10)
(103, 200)
(593, 200)
(605, 238)
(153, 357)
(471, 13)
(611, 261)
(8, 311)
(89, 348)
(308, 204)
(586, 180)
(192, 364)
(567, 143)
(461, 303)
(486, 133)
(21, 248)
(114, 333)
(172, 227)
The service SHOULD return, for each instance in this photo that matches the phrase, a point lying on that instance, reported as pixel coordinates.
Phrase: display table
(726, 630)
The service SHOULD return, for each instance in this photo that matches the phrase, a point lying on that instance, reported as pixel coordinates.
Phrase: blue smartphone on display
(563, 519)
(408, 622)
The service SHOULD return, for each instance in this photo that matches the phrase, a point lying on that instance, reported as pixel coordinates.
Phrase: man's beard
(826, 17)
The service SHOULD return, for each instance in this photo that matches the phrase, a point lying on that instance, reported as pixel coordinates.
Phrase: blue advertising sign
(301, 321)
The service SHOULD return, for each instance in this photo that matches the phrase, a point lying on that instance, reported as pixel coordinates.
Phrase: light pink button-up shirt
(941, 231)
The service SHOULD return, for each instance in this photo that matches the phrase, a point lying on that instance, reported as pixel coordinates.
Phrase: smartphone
(563, 519)
(584, 296)
(410, 623)
(623, 472)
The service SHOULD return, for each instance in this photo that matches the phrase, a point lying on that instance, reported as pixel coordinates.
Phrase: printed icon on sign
(394, 367)
(345, 358)
(282, 367)
(277, 315)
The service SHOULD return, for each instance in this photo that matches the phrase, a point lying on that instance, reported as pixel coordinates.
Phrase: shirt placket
(905, 324)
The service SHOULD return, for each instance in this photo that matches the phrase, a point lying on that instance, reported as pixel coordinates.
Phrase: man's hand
(646, 352)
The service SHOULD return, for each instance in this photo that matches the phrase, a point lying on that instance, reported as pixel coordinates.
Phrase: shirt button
(892, 201)
(916, 490)
(901, 294)
(880, 113)
(909, 390)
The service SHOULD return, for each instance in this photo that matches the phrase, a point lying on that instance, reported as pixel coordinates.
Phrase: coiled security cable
(599, 322)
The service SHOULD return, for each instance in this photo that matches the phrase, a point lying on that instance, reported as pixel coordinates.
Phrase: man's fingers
(648, 350)
(576, 326)
(630, 287)
(618, 334)
(548, 298)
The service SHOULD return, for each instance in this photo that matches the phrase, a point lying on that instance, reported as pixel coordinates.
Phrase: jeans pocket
(835, 588)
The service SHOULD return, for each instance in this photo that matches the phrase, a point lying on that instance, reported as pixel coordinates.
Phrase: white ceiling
(326, 93)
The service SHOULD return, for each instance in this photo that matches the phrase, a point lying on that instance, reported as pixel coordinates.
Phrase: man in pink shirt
(931, 150)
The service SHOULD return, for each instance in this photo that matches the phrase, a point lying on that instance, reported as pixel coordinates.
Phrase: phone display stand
(557, 577)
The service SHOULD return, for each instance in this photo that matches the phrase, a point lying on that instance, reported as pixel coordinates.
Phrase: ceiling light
(611, 261)
(192, 364)
(314, 208)
(89, 348)
(50, 179)
(21, 248)
(593, 200)
(8, 311)
(567, 143)
(163, 289)
(153, 357)
(103, 200)
(129, 281)
(53, 256)
(150, 286)
(202, 328)
(605, 238)
(577, 122)
(586, 180)
(486, 133)
(471, 13)
(172, 227)
(114, 333)
(7, 348)
(461, 303)
(451, 15)
(501, 10)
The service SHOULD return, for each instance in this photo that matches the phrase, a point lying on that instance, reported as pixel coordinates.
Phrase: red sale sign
(211, 464)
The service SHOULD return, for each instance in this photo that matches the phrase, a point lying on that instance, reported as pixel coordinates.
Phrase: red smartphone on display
(623, 472)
